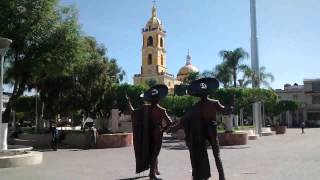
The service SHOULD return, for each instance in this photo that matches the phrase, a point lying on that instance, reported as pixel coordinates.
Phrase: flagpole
(255, 65)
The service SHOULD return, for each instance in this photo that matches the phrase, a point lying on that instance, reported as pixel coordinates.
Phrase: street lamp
(4, 46)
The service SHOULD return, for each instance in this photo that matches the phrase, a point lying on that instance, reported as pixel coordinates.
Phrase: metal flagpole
(255, 65)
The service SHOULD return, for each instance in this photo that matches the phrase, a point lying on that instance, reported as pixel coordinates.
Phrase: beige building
(308, 97)
(154, 54)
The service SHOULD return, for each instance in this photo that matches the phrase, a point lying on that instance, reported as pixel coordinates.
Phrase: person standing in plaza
(54, 136)
(149, 122)
(302, 125)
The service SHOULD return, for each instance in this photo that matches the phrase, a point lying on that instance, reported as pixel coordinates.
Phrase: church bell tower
(153, 49)
(153, 61)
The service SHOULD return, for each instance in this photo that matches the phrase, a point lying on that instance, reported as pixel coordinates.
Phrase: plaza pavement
(293, 156)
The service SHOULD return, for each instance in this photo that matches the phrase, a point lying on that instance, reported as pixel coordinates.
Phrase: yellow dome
(154, 22)
(186, 69)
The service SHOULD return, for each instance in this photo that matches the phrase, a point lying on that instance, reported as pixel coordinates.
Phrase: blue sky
(288, 30)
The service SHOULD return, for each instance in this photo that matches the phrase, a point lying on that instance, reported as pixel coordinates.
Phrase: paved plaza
(293, 156)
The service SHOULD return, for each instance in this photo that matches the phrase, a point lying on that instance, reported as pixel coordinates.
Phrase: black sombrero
(203, 86)
(156, 92)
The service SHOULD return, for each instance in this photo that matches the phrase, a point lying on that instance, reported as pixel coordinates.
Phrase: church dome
(154, 22)
(186, 69)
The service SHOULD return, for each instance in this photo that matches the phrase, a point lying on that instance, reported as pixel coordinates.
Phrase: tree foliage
(133, 91)
(250, 76)
(178, 105)
(232, 60)
(50, 55)
(45, 41)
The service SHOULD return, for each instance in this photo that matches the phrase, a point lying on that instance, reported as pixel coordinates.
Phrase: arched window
(150, 41)
(161, 59)
(150, 59)
(161, 42)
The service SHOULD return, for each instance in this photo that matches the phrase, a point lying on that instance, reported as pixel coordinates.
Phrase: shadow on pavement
(133, 178)
(175, 147)
(234, 147)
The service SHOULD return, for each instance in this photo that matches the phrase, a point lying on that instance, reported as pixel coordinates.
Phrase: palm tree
(233, 59)
(223, 73)
(265, 77)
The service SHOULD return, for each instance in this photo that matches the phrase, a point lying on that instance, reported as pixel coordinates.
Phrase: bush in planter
(178, 105)
(281, 107)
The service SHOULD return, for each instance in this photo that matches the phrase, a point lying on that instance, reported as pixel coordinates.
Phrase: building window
(316, 86)
(161, 59)
(150, 59)
(169, 84)
(161, 42)
(315, 99)
(150, 41)
(295, 97)
(313, 115)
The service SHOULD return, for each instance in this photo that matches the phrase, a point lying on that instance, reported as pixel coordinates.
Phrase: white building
(308, 97)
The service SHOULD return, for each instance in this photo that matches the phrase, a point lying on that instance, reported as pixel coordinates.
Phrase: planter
(3, 136)
(35, 140)
(232, 139)
(114, 140)
(72, 140)
(273, 128)
(281, 129)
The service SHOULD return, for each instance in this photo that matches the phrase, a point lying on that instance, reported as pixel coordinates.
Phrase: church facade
(153, 65)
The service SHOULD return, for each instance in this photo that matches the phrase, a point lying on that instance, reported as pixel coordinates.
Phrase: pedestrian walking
(303, 125)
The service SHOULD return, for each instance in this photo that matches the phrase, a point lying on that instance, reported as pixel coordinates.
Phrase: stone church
(154, 57)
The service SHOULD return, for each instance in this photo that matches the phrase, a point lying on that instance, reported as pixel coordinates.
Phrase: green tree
(178, 105)
(45, 41)
(133, 91)
(151, 82)
(191, 77)
(232, 60)
(265, 78)
(224, 74)
(24, 107)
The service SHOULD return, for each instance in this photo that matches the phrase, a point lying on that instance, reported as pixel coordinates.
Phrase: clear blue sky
(288, 30)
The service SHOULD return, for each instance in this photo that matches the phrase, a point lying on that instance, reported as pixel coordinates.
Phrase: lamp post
(255, 65)
(4, 46)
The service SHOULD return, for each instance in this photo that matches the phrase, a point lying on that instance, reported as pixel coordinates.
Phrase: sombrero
(203, 86)
(156, 92)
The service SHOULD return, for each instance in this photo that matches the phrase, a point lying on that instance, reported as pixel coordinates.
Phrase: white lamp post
(4, 46)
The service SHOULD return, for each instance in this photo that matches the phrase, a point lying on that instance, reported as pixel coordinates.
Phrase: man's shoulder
(160, 107)
(213, 100)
